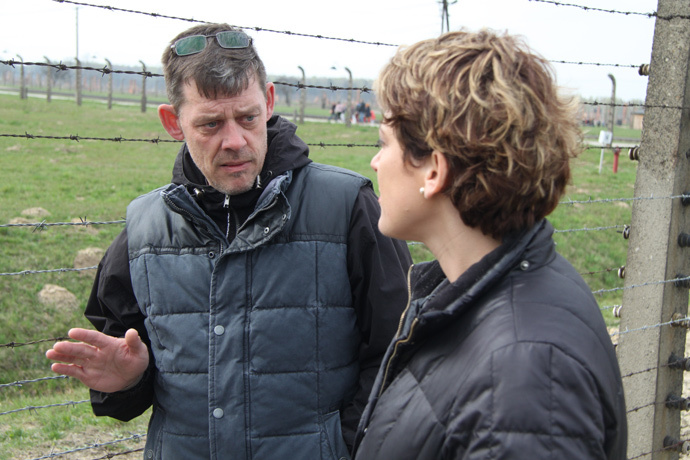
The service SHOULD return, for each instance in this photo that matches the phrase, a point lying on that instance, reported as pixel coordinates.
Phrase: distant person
(251, 300)
(339, 111)
(502, 352)
(332, 116)
(361, 111)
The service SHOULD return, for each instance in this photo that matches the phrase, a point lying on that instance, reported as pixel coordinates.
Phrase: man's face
(227, 136)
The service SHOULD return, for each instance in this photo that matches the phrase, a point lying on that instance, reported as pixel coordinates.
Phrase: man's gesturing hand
(101, 362)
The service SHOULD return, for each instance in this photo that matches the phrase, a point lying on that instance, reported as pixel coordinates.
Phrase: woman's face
(402, 204)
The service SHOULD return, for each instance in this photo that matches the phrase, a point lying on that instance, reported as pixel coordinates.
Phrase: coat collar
(438, 299)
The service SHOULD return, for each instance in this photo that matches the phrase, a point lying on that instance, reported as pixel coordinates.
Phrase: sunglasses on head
(196, 43)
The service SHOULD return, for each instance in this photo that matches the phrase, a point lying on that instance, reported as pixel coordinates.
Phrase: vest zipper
(226, 205)
(400, 325)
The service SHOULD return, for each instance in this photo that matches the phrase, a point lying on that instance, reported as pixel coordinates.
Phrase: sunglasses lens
(233, 39)
(190, 45)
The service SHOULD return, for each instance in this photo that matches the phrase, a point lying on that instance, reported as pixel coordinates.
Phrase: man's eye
(211, 124)
(250, 118)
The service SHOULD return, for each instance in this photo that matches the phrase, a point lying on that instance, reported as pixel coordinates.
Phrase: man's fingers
(75, 350)
(55, 356)
(95, 338)
(133, 340)
(69, 370)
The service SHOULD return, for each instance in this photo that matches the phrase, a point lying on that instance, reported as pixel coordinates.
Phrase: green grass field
(94, 180)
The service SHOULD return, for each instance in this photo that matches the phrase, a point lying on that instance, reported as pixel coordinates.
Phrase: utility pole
(445, 17)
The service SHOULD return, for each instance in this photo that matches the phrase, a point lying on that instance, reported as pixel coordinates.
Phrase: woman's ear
(170, 121)
(436, 174)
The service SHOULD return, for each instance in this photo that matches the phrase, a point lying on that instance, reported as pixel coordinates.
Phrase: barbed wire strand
(53, 270)
(590, 8)
(34, 342)
(105, 70)
(106, 456)
(257, 29)
(21, 383)
(30, 408)
(85, 223)
(589, 229)
(157, 140)
(134, 437)
(653, 14)
(43, 225)
(654, 326)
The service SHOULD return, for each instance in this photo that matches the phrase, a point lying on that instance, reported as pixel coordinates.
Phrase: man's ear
(270, 99)
(436, 174)
(170, 121)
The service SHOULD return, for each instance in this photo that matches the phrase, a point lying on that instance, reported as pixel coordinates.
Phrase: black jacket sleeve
(377, 267)
(112, 309)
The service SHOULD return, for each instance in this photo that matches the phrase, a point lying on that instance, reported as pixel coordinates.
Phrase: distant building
(637, 119)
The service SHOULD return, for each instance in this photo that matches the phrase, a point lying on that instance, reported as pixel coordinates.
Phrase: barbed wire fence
(656, 275)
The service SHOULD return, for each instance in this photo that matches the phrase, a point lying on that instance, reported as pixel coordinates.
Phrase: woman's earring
(421, 190)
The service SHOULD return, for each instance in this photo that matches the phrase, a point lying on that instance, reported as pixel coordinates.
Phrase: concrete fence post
(110, 85)
(143, 87)
(651, 301)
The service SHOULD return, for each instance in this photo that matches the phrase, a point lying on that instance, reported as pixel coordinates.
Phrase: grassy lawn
(94, 180)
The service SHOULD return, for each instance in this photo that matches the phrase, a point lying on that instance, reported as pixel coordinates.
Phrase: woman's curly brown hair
(490, 105)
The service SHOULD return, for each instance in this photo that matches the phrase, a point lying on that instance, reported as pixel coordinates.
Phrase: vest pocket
(333, 437)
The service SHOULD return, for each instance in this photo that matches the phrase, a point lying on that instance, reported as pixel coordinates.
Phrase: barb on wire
(635, 409)
(257, 29)
(20, 344)
(34, 408)
(134, 437)
(20, 383)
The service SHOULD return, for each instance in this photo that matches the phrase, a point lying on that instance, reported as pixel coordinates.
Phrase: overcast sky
(38, 28)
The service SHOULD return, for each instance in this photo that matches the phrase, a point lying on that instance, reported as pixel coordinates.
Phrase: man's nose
(233, 137)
